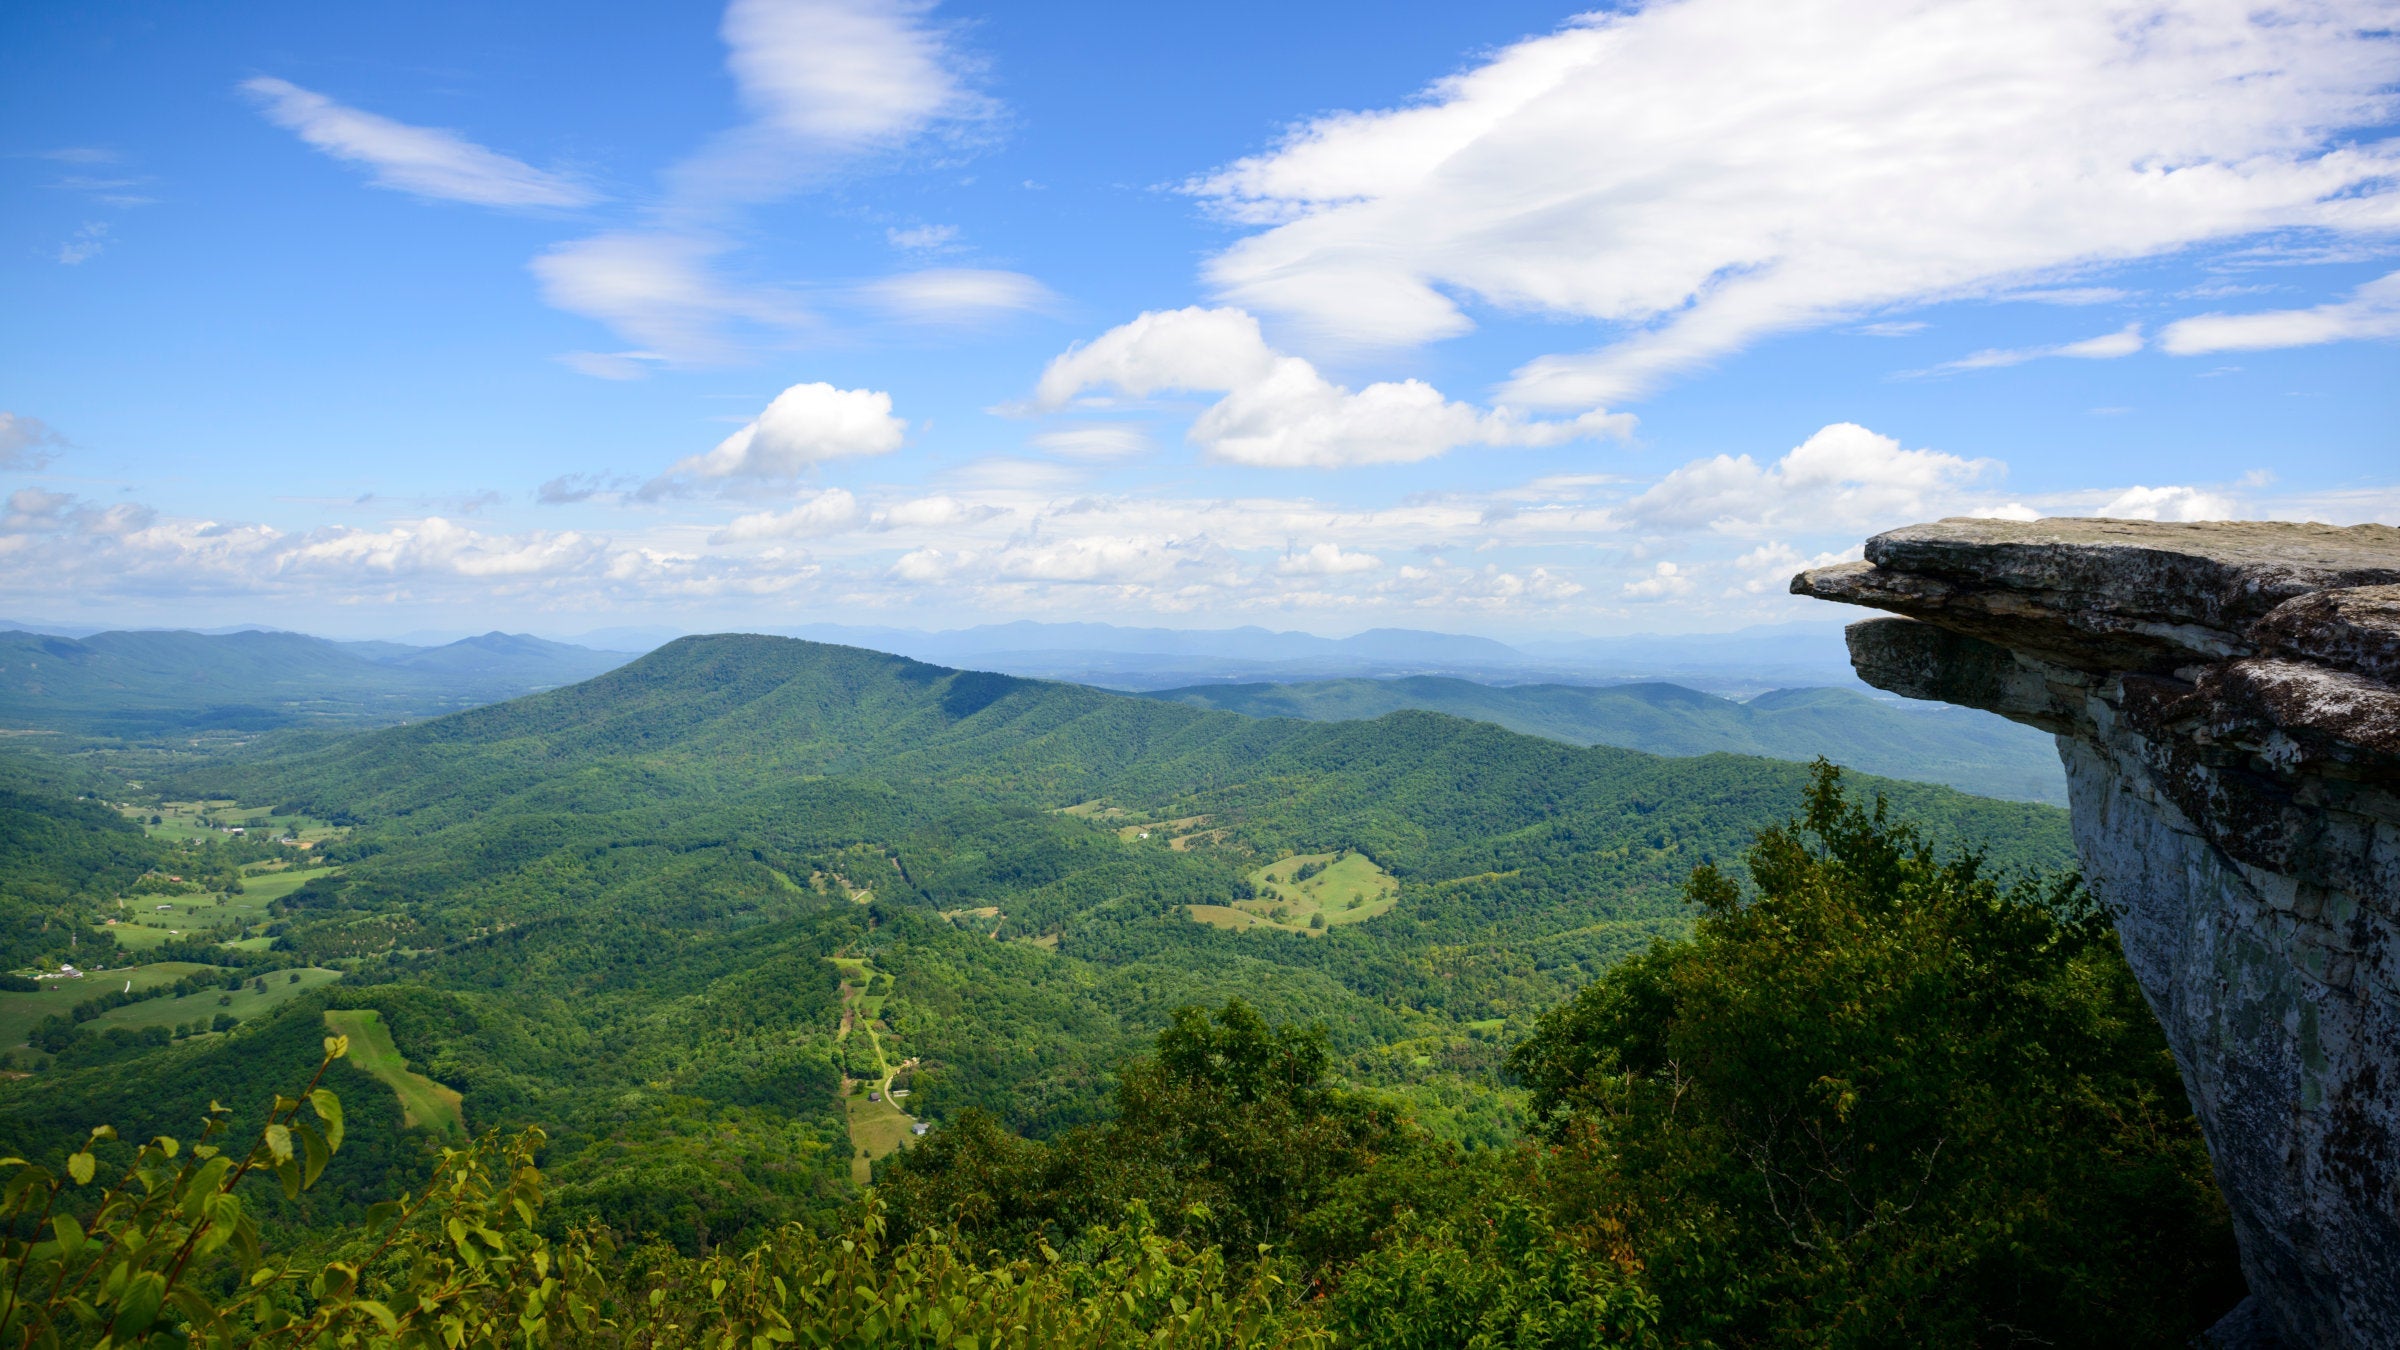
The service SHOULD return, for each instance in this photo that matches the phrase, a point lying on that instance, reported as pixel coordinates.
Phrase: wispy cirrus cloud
(1686, 174)
(2106, 347)
(2371, 311)
(423, 161)
(829, 85)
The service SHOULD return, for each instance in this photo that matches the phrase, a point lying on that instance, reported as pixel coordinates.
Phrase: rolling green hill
(136, 684)
(611, 906)
(1959, 747)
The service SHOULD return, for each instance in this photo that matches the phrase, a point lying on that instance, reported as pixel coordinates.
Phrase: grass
(21, 1013)
(877, 1128)
(202, 819)
(423, 1102)
(142, 923)
(1345, 888)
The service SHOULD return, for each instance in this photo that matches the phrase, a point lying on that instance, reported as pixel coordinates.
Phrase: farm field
(202, 819)
(877, 1128)
(423, 1102)
(146, 921)
(244, 1004)
(1308, 893)
(21, 1013)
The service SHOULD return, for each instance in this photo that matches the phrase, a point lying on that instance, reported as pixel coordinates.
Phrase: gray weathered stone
(2227, 702)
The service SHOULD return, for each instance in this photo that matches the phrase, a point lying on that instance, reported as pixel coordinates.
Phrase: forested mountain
(695, 918)
(153, 682)
(1933, 743)
(631, 886)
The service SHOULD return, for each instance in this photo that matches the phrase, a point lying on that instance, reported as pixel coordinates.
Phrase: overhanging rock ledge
(2226, 697)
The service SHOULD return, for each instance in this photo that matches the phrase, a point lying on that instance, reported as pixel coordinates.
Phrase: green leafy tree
(1881, 1099)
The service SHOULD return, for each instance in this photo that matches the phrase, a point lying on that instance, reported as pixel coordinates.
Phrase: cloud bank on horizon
(1601, 213)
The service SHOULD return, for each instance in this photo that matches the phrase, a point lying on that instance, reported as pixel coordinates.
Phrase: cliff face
(2227, 701)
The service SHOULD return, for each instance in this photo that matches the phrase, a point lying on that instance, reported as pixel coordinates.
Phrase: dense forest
(1641, 1050)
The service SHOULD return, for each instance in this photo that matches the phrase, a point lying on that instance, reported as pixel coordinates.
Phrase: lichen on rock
(2226, 698)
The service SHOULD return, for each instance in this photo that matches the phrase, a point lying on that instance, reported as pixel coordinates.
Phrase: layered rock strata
(2226, 698)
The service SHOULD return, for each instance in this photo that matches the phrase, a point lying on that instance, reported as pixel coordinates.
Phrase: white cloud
(1700, 174)
(610, 365)
(1277, 411)
(845, 75)
(1095, 441)
(1665, 582)
(956, 295)
(659, 290)
(1323, 560)
(935, 512)
(1843, 477)
(85, 244)
(829, 512)
(806, 425)
(2106, 347)
(2070, 295)
(2168, 503)
(427, 161)
(923, 238)
(2372, 311)
(827, 83)
(25, 442)
(1892, 329)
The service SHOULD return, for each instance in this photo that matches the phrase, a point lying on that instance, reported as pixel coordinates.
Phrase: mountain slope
(159, 681)
(1971, 751)
(611, 908)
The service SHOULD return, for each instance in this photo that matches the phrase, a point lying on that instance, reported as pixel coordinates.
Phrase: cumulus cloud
(1844, 475)
(956, 295)
(1326, 560)
(26, 442)
(426, 161)
(829, 512)
(806, 425)
(1665, 582)
(2168, 503)
(2106, 347)
(2372, 311)
(1698, 174)
(1277, 410)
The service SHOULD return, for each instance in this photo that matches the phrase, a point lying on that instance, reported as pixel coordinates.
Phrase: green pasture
(877, 1130)
(204, 820)
(145, 921)
(423, 1102)
(21, 1013)
(1349, 888)
(202, 1007)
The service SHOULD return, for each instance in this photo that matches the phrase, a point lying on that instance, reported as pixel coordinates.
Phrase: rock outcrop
(2227, 701)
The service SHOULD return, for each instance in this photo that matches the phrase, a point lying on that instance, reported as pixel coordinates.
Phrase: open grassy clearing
(203, 819)
(878, 1126)
(243, 1004)
(21, 1013)
(1308, 893)
(423, 1102)
(141, 922)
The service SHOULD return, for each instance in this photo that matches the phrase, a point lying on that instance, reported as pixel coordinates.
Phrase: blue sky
(1501, 318)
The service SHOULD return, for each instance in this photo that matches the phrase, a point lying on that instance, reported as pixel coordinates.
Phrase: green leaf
(329, 1110)
(70, 1234)
(313, 1145)
(137, 1307)
(288, 1172)
(382, 1315)
(80, 1166)
(279, 1142)
(336, 1046)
